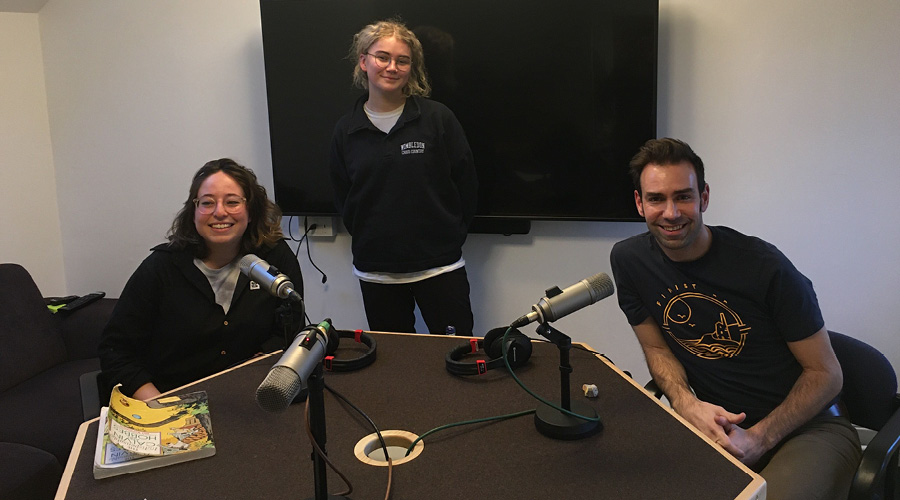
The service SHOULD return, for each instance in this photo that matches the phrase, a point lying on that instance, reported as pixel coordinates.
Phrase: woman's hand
(146, 392)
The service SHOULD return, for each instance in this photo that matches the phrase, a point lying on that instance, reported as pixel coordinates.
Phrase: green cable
(467, 422)
(504, 417)
(542, 400)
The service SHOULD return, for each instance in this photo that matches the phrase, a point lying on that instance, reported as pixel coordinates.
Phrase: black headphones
(348, 365)
(518, 350)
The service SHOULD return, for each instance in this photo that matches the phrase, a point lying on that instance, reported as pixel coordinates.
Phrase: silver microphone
(289, 375)
(559, 303)
(269, 277)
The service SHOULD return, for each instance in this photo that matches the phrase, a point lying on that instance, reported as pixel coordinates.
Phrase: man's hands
(747, 445)
(717, 424)
(752, 443)
(713, 421)
(818, 383)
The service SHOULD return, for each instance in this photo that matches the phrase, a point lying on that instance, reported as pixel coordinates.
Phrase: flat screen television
(555, 96)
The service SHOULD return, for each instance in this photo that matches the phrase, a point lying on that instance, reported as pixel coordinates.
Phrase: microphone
(559, 303)
(269, 277)
(289, 375)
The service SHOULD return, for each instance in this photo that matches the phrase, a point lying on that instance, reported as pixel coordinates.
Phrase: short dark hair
(665, 151)
(264, 216)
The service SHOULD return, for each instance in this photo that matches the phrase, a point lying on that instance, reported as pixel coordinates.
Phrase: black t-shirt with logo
(726, 316)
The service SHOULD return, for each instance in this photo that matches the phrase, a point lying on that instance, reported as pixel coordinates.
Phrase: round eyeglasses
(383, 60)
(231, 204)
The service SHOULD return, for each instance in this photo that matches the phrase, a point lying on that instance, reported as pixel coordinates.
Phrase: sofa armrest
(28, 472)
(81, 329)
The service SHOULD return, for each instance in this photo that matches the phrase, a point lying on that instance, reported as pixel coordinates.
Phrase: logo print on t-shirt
(414, 147)
(704, 325)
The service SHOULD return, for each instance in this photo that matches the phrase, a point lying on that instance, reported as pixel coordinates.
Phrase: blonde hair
(362, 41)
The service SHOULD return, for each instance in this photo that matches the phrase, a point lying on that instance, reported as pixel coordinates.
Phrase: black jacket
(406, 197)
(167, 328)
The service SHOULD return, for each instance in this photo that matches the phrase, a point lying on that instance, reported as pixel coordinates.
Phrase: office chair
(870, 396)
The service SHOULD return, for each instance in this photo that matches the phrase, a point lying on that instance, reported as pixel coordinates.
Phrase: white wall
(141, 94)
(791, 104)
(794, 108)
(29, 215)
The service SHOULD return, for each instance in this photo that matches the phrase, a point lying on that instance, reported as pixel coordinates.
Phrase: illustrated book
(134, 435)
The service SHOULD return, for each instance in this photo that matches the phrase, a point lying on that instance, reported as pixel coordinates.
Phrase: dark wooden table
(644, 450)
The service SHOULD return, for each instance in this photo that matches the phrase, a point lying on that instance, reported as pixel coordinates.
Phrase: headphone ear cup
(334, 340)
(518, 346)
(518, 349)
(493, 340)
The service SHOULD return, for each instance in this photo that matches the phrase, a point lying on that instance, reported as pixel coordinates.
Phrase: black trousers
(443, 301)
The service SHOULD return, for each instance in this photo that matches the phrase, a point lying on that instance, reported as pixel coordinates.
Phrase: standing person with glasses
(187, 311)
(405, 186)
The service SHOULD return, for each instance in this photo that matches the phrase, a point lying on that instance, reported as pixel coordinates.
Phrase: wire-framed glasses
(232, 204)
(383, 60)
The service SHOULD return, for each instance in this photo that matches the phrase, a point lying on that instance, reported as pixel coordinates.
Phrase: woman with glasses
(187, 311)
(405, 186)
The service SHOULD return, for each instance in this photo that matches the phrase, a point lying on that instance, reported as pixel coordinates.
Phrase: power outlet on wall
(324, 226)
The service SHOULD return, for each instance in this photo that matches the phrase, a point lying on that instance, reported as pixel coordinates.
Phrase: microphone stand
(549, 420)
(286, 313)
(316, 384)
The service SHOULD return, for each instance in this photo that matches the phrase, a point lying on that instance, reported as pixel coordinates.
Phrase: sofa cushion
(45, 411)
(81, 329)
(27, 473)
(30, 340)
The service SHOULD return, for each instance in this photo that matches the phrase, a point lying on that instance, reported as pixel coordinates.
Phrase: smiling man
(732, 333)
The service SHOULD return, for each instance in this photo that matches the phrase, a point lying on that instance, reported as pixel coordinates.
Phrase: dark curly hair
(264, 216)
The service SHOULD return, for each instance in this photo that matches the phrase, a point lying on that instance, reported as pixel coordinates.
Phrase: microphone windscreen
(279, 388)
(601, 286)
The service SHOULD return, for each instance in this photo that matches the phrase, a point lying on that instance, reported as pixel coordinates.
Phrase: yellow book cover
(134, 435)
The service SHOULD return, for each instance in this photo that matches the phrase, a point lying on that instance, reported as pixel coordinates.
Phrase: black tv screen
(555, 96)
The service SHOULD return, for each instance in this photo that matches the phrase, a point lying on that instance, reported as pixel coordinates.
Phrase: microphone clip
(552, 292)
